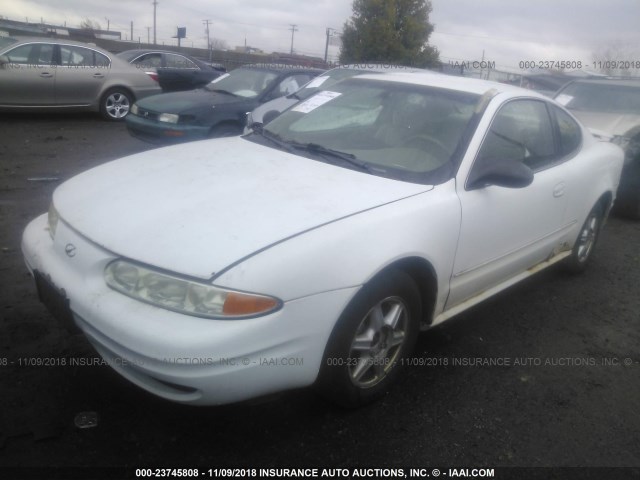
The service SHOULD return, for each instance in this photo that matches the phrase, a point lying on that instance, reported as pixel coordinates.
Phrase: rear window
(600, 97)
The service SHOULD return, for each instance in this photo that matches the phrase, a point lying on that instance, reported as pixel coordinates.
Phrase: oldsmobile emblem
(70, 250)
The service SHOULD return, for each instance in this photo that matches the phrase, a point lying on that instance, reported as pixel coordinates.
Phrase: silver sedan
(51, 73)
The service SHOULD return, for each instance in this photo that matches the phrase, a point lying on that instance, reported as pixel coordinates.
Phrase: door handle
(46, 75)
(98, 75)
(558, 190)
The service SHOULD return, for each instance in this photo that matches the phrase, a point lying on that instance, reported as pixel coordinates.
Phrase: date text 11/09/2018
(313, 472)
(577, 64)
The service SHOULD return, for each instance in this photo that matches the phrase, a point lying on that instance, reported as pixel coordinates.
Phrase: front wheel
(115, 104)
(586, 241)
(377, 330)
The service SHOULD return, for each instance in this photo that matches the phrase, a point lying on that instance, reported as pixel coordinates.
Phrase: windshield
(327, 80)
(393, 129)
(243, 82)
(598, 97)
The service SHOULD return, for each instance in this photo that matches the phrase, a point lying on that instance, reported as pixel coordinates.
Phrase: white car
(313, 252)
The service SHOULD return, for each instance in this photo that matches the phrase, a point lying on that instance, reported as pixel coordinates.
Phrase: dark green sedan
(217, 110)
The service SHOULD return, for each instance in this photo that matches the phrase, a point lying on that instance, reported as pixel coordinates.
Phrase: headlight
(185, 296)
(134, 109)
(626, 145)
(52, 220)
(168, 117)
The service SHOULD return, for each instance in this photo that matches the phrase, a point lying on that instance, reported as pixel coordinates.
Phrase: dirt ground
(566, 394)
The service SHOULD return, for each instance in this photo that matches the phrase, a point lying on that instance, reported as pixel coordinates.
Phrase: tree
(219, 44)
(88, 24)
(616, 59)
(390, 31)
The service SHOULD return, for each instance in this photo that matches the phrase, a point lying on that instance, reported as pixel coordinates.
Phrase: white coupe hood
(196, 208)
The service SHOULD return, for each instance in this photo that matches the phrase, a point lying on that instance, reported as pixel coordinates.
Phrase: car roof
(62, 41)
(626, 82)
(450, 82)
(142, 51)
(280, 67)
(378, 67)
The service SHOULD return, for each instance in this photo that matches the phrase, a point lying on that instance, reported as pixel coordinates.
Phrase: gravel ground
(567, 392)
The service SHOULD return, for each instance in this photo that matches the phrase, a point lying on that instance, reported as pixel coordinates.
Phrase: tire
(116, 104)
(225, 130)
(586, 241)
(376, 331)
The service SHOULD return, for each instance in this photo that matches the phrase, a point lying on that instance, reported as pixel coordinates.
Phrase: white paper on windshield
(316, 82)
(314, 102)
(563, 99)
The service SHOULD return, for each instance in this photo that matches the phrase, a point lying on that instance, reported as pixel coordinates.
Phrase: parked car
(217, 110)
(269, 110)
(611, 108)
(175, 71)
(312, 252)
(56, 73)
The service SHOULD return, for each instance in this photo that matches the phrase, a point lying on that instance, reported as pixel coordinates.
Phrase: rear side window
(149, 60)
(570, 134)
(73, 56)
(178, 61)
(521, 132)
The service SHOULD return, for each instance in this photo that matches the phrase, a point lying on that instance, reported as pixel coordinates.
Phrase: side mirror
(499, 172)
(270, 115)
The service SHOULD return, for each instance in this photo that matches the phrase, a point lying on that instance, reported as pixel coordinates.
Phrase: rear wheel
(115, 104)
(375, 332)
(586, 241)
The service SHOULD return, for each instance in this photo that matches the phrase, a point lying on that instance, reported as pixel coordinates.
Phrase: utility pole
(132, 30)
(293, 30)
(107, 23)
(148, 35)
(207, 23)
(326, 47)
(155, 4)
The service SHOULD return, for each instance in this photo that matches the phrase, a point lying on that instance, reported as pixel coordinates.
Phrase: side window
(32, 54)
(522, 132)
(569, 132)
(73, 56)
(101, 60)
(178, 61)
(150, 60)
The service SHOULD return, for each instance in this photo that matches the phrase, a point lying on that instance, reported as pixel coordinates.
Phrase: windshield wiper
(314, 148)
(349, 158)
(273, 138)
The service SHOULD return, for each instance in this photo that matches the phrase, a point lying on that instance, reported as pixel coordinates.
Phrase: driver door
(505, 231)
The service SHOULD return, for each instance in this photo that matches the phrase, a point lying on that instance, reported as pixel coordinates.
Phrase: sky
(506, 32)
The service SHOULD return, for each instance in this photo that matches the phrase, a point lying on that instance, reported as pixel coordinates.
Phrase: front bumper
(162, 132)
(179, 357)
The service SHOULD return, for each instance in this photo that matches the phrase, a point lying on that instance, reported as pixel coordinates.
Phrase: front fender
(351, 251)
